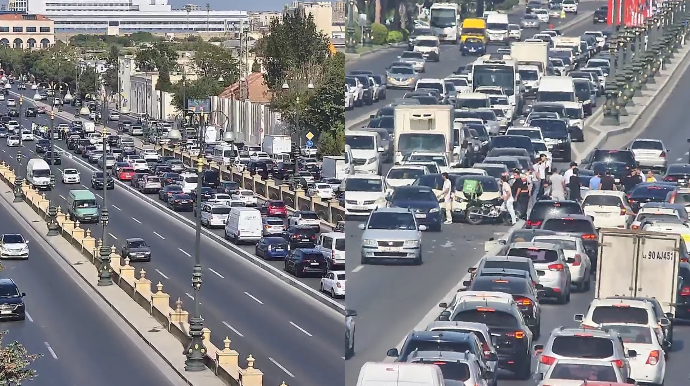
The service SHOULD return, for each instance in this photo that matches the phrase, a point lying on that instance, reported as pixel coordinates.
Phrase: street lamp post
(18, 179)
(104, 270)
(350, 43)
(366, 35)
(298, 133)
(52, 210)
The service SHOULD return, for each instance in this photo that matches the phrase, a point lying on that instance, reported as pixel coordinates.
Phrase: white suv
(550, 263)
(608, 208)
(575, 256)
(569, 6)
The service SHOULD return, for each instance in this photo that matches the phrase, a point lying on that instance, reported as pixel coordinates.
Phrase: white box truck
(419, 128)
(531, 53)
(277, 144)
(336, 167)
(639, 264)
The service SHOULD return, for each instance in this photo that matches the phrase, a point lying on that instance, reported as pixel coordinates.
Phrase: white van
(366, 151)
(214, 214)
(243, 225)
(188, 182)
(497, 28)
(38, 173)
(332, 245)
(556, 89)
(400, 374)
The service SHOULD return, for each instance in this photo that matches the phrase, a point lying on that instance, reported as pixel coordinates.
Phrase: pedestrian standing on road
(447, 197)
(520, 191)
(595, 182)
(608, 182)
(574, 185)
(557, 185)
(567, 174)
(508, 201)
(540, 176)
(650, 177)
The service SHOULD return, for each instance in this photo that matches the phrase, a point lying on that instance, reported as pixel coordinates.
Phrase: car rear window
(611, 314)
(601, 200)
(633, 334)
(565, 244)
(535, 254)
(511, 286)
(577, 371)
(433, 345)
(564, 225)
(454, 371)
(681, 198)
(653, 191)
(582, 347)
(507, 264)
(650, 145)
(340, 244)
(490, 318)
(541, 210)
(479, 335)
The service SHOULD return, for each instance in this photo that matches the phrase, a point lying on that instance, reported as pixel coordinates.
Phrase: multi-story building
(116, 17)
(321, 11)
(26, 31)
(18, 5)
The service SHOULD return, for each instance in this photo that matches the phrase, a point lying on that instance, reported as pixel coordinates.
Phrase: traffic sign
(310, 136)
(310, 143)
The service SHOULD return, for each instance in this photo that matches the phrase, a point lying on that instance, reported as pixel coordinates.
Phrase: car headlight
(434, 210)
(411, 243)
(476, 148)
(369, 243)
(560, 141)
(371, 160)
(25, 248)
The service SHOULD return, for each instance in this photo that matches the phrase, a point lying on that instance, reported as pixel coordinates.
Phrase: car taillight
(533, 223)
(590, 236)
(623, 211)
(578, 260)
(516, 334)
(653, 357)
(547, 360)
(523, 301)
(487, 350)
(313, 237)
(333, 254)
(556, 267)
(338, 285)
(685, 291)
(663, 154)
(295, 236)
(619, 363)
(670, 178)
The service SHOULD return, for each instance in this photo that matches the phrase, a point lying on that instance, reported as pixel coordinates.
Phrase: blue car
(473, 46)
(422, 201)
(275, 248)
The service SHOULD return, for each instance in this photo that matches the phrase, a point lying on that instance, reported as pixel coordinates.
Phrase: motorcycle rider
(508, 201)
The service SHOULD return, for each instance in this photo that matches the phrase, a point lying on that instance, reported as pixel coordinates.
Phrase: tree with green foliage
(110, 75)
(332, 142)
(88, 82)
(200, 88)
(325, 107)
(215, 62)
(155, 56)
(15, 361)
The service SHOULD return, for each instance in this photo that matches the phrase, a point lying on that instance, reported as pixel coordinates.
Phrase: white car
(221, 198)
(650, 153)
(308, 151)
(321, 190)
(150, 155)
(114, 116)
(13, 246)
(515, 32)
(13, 141)
(2, 97)
(575, 256)
(609, 209)
(11, 102)
(403, 175)
(334, 284)
(139, 164)
(542, 14)
(572, 371)
(569, 6)
(246, 196)
(305, 218)
(461, 83)
(363, 193)
(649, 365)
(27, 135)
(71, 176)
(652, 213)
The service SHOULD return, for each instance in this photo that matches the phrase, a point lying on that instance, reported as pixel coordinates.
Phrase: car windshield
(568, 225)
(601, 200)
(360, 142)
(582, 346)
(191, 179)
(438, 160)
(137, 244)
(277, 204)
(551, 128)
(430, 85)
(401, 71)
(220, 210)
(529, 74)
(539, 146)
(12, 239)
(405, 173)
(458, 82)
(565, 244)
(70, 171)
(411, 55)
(619, 313)
(392, 221)
(426, 43)
(510, 286)
(584, 371)
(363, 185)
(455, 371)
(538, 256)
(9, 291)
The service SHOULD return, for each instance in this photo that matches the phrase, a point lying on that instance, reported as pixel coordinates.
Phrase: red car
(125, 174)
(274, 208)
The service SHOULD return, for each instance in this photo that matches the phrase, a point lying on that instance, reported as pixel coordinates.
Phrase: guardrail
(329, 211)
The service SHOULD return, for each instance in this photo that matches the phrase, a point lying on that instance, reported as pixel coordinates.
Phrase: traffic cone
(562, 14)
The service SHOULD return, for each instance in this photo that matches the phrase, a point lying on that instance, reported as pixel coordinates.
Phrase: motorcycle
(478, 212)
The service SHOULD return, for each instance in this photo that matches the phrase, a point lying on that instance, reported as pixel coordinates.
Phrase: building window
(4, 29)
(30, 29)
(17, 29)
(45, 29)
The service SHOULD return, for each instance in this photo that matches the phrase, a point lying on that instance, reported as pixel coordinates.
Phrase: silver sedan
(530, 21)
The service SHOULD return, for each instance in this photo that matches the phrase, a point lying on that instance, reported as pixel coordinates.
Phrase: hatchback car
(579, 264)
(306, 261)
(71, 176)
(391, 234)
(608, 208)
(549, 208)
(136, 249)
(577, 225)
(550, 263)
(575, 371)
(333, 284)
(272, 247)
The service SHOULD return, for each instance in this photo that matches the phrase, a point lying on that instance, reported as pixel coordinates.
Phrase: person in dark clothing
(608, 182)
(632, 179)
(574, 185)
(520, 190)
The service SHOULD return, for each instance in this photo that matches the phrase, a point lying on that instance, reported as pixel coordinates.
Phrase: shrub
(394, 37)
(379, 33)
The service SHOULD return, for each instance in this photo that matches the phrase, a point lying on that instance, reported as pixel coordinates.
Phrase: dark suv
(11, 301)
(549, 208)
(304, 261)
(601, 15)
(578, 225)
(97, 181)
(604, 155)
(264, 168)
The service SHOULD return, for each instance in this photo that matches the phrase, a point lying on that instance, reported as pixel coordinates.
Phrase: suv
(626, 156)
(608, 208)
(550, 263)
(392, 234)
(304, 261)
(583, 343)
(577, 225)
(12, 301)
(510, 333)
(544, 208)
(214, 215)
(97, 181)
(332, 245)
(456, 366)
(504, 262)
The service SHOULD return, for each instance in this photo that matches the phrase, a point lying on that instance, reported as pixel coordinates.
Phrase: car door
(328, 281)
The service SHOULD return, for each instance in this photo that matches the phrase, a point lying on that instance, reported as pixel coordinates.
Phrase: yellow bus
(473, 28)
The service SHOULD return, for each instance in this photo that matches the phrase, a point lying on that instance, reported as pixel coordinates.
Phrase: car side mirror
(350, 313)
(579, 318)
(539, 287)
(445, 316)
(394, 353)
(669, 315)
(23, 294)
(570, 260)
(538, 349)
(380, 149)
(664, 322)
(27, 241)
(630, 381)
(632, 353)
(472, 269)
(539, 377)
(493, 357)
(443, 305)
(467, 283)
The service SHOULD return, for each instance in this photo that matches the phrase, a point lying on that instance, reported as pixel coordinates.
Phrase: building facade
(321, 11)
(119, 17)
(26, 31)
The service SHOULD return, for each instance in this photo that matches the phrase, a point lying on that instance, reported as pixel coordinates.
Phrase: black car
(206, 193)
(548, 208)
(12, 112)
(585, 94)
(522, 289)
(210, 178)
(228, 187)
(181, 203)
(263, 168)
(169, 191)
(97, 181)
(52, 158)
(136, 249)
(619, 170)
(301, 236)
(509, 332)
(679, 173)
(138, 177)
(112, 140)
(601, 15)
(42, 146)
(170, 178)
(556, 129)
(649, 192)
(283, 170)
(613, 155)
(304, 261)
(11, 301)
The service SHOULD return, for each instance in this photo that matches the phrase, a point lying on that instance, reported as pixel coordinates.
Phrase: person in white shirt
(567, 174)
(447, 196)
(508, 200)
(540, 175)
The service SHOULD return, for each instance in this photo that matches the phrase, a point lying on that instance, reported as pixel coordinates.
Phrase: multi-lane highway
(292, 336)
(80, 337)
(391, 300)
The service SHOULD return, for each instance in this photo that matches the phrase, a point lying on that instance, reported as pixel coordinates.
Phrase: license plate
(389, 249)
(604, 214)
(279, 249)
(314, 264)
(617, 180)
(420, 215)
(305, 240)
(5, 312)
(359, 207)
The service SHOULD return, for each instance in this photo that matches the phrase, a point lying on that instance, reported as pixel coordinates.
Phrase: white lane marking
(181, 250)
(156, 233)
(357, 268)
(99, 196)
(232, 328)
(189, 296)
(29, 317)
(63, 197)
(50, 350)
(217, 274)
(85, 187)
(162, 274)
(136, 220)
(112, 235)
(275, 362)
(301, 329)
(253, 297)
(115, 207)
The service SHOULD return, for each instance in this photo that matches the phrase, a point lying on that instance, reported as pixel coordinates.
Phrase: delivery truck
(639, 264)
(336, 167)
(277, 144)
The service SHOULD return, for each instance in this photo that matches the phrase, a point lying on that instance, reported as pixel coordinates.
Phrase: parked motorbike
(478, 212)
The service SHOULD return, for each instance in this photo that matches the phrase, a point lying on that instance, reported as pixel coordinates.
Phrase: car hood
(363, 154)
(364, 196)
(14, 246)
(393, 234)
(140, 250)
(415, 204)
(15, 300)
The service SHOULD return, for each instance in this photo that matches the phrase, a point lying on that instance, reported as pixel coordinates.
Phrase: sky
(240, 5)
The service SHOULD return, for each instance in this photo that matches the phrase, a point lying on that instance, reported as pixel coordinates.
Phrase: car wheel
(588, 283)
(332, 293)
(365, 260)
